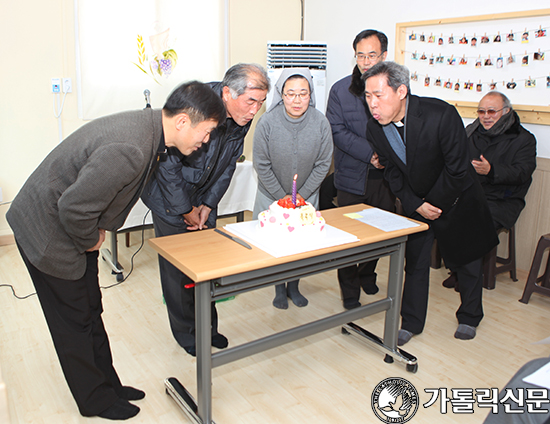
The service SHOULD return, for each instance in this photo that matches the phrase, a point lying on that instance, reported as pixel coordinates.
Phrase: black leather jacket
(181, 182)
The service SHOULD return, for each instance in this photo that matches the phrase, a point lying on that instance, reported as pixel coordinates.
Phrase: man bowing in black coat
(422, 144)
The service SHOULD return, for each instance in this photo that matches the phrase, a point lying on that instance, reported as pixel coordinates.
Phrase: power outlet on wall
(67, 85)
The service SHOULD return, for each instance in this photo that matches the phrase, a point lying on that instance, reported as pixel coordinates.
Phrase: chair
(491, 261)
(532, 285)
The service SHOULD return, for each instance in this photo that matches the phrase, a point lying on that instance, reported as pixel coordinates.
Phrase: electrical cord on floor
(135, 253)
(102, 287)
(13, 291)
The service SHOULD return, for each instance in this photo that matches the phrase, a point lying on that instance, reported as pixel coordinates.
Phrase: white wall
(41, 46)
(39, 43)
(338, 23)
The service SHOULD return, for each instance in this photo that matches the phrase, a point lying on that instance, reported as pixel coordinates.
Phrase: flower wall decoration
(163, 59)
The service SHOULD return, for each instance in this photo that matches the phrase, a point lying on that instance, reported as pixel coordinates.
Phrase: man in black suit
(422, 144)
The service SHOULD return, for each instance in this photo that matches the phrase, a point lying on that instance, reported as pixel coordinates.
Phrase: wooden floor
(326, 378)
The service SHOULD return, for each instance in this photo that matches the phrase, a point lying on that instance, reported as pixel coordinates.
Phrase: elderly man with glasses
(504, 156)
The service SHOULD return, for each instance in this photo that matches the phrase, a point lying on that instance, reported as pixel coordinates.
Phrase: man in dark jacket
(422, 143)
(185, 191)
(504, 155)
(358, 176)
(88, 184)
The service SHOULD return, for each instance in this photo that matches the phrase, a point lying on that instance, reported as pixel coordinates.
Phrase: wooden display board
(509, 52)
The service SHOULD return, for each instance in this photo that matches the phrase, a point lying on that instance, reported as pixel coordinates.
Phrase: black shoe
(130, 393)
(191, 350)
(351, 304)
(220, 341)
(370, 288)
(120, 410)
(451, 281)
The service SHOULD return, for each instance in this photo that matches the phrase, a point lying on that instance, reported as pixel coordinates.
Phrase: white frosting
(303, 221)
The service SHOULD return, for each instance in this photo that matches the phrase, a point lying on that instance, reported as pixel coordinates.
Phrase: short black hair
(369, 33)
(197, 100)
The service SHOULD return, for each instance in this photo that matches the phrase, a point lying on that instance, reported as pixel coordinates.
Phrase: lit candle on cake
(294, 189)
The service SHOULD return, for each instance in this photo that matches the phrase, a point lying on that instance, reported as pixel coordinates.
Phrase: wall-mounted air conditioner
(299, 54)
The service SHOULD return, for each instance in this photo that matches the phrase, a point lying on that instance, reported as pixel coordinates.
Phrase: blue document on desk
(383, 220)
(283, 247)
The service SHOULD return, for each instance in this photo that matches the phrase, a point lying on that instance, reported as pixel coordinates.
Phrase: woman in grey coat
(291, 138)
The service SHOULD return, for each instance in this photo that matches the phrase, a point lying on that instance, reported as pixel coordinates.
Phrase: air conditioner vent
(296, 55)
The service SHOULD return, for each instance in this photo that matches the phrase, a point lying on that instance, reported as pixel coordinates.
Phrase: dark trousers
(416, 288)
(327, 193)
(352, 278)
(180, 301)
(73, 314)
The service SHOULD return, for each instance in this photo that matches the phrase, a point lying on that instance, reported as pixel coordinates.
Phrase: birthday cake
(284, 219)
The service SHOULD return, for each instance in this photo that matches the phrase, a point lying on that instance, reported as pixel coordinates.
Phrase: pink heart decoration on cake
(286, 216)
(261, 224)
(291, 229)
(322, 227)
(272, 219)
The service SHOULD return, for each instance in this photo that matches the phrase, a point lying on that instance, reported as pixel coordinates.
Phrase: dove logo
(394, 400)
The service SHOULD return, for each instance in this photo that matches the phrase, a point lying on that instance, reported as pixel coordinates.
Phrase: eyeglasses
(490, 112)
(292, 96)
(371, 57)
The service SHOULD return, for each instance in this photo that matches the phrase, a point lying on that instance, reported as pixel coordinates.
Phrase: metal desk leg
(199, 412)
(391, 323)
(111, 257)
(395, 290)
(203, 334)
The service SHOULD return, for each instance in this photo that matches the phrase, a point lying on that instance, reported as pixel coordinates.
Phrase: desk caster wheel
(388, 359)
(120, 277)
(344, 331)
(412, 368)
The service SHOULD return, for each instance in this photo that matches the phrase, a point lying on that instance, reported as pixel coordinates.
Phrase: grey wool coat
(91, 180)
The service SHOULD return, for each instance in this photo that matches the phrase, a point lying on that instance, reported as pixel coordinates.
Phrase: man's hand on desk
(197, 217)
(429, 211)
